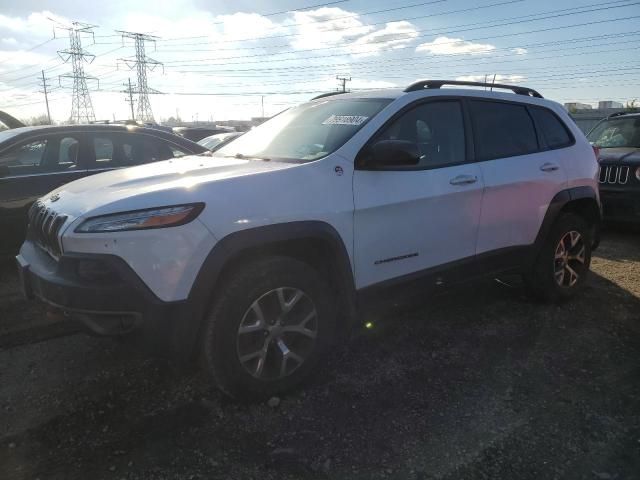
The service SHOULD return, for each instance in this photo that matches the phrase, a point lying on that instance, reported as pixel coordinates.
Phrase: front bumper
(108, 297)
(620, 205)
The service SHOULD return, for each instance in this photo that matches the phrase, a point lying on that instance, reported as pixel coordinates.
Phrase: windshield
(616, 133)
(307, 132)
(214, 140)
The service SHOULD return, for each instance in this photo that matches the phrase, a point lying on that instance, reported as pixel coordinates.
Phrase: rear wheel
(563, 263)
(269, 328)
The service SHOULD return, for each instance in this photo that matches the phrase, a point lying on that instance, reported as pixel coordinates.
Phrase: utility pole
(81, 106)
(344, 81)
(46, 96)
(129, 99)
(262, 103)
(142, 63)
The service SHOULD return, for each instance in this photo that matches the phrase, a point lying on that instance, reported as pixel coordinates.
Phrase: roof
(98, 127)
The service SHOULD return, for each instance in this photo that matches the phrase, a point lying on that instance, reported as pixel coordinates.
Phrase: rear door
(521, 177)
(29, 170)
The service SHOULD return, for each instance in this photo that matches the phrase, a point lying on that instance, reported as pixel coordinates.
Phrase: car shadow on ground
(477, 383)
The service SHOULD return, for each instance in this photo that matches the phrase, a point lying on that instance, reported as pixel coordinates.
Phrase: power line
(386, 40)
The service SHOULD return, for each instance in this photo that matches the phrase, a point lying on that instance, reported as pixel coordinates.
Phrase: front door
(29, 170)
(410, 219)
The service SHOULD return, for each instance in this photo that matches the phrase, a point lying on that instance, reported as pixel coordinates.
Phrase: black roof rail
(328, 94)
(422, 84)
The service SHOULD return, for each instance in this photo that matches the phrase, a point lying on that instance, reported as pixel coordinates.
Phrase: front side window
(502, 130)
(438, 130)
(616, 133)
(45, 155)
(307, 132)
(24, 159)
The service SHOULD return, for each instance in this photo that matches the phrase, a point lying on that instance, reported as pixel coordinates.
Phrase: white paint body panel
(378, 215)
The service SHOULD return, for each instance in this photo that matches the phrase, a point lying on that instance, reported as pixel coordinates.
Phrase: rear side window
(127, 149)
(552, 129)
(502, 130)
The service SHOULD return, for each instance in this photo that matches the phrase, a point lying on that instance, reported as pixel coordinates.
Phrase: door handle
(463, 180)
(549, 167)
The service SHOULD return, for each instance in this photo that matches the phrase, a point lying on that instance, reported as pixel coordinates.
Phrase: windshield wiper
(242, 156)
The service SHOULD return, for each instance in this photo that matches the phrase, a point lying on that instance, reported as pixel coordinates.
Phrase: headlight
(638, 173)
(160, 217)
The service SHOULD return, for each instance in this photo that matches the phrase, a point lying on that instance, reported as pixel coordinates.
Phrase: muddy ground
(478, 383)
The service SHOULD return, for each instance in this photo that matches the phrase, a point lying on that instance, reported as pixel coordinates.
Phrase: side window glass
(67, 155)
(103, 148)
(177, 152)
(553, 130)
(24, 159)
(502, 130)
(438, 130)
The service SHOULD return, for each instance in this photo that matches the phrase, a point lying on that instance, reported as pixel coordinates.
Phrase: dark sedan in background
(618, 139)
(36, 160)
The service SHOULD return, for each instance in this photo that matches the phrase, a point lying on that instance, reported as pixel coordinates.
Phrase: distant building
(602, 105)
(573, 106)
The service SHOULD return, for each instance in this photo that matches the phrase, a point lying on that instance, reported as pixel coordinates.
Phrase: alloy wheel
(569, 260)
(277, 333)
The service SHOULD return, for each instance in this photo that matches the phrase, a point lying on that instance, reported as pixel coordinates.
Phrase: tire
(550, 280)
(244, 352)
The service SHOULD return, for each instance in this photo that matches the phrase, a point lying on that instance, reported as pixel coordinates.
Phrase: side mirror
(391, 153)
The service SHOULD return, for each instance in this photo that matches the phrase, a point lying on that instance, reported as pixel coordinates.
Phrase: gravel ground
(477, 383)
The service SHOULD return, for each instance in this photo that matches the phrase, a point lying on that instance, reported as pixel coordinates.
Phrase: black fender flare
(232, 246)
(557, 205)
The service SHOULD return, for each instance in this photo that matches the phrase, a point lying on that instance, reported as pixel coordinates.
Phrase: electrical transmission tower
(81, 106)
(142, 63)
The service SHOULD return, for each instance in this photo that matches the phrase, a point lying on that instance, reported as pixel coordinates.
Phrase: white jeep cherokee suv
(259, 256)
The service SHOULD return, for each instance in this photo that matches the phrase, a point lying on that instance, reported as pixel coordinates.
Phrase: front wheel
(269, 327)
(563, 262)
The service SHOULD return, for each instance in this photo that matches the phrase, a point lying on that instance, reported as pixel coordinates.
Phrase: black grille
(615, 174)
(44, 227)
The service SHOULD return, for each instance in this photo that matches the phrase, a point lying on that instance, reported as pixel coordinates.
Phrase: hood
(171, 182)
(628, 156)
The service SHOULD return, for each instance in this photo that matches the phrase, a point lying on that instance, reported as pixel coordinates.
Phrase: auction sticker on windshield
(345, 120)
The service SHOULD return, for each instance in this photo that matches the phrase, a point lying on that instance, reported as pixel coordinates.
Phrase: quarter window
(438, 130)
(554, 132)
(502, 130)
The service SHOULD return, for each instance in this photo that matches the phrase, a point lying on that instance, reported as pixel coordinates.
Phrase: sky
(239, 59)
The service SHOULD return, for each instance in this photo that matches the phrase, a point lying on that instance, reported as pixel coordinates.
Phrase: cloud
(327, 26)
(489, 78)
(394, 35)
(454, 46)
(519, 51)
(37, 23)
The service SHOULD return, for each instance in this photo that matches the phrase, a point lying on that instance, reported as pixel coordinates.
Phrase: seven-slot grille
(44, 226)
(615, 174)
